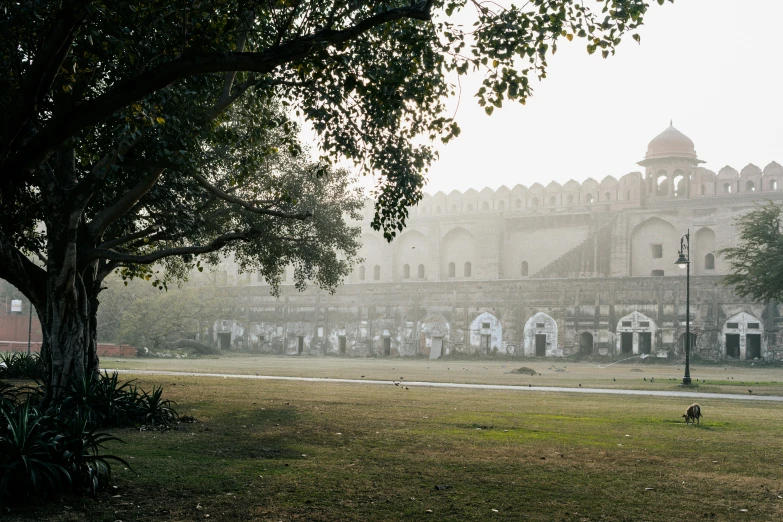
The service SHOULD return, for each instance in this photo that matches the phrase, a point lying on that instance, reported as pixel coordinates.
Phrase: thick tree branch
(25, 275)
(218, 243)
(106, 217)
(88, 185)
(92, 112)
(46, 65)
(129, 237)
(246, 204)
(229, 81)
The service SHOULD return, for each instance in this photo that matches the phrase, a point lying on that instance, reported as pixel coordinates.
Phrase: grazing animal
(693, 414)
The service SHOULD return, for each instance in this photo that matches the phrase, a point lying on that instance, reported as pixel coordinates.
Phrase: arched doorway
(635, 334)
(742, 337)
(586, 343)
(540, 336)
(486, 335)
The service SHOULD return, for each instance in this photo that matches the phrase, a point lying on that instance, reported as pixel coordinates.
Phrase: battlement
(631, 190)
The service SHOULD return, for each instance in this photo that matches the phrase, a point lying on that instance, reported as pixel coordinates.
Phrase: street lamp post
(684, 261)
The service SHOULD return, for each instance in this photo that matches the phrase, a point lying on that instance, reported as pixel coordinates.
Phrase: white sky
(713, 66)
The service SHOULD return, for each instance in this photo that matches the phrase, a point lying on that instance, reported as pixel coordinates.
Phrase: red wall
(14, 328)
(13, 338)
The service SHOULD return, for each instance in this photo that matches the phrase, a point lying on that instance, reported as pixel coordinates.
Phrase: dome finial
(671, 123)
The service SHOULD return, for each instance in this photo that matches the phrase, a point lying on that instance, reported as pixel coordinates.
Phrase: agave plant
(103, 399)
(153, 409)
(81, 454)
(83, 399)
(9, 396)
(29, 455)
(18, 365)
(118, 399)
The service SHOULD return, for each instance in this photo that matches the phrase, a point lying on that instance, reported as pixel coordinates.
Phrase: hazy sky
(713, 66)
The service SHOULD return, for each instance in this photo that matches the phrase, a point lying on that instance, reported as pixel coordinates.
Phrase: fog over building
(548, 270)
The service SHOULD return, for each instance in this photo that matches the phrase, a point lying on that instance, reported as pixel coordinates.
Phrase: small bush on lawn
(56, 450)
(42, 456)
(18, 365)
(105, 402)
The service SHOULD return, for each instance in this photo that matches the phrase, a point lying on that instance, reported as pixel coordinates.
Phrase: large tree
(149, 131)
(756, 263)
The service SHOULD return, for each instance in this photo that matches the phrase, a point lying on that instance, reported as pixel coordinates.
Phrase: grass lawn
(282, 450)
(631, 375)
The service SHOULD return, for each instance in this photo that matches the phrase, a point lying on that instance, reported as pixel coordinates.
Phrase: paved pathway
(603, 391)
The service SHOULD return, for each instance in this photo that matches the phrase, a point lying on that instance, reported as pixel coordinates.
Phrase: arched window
(361, 273)
(406, 271)
(662, 184)
(534, 202)
(628, 195)
(552, 201)
(452, 270)
(376, 273)
(467, 269)
(502, 205)
(485, 206)
(570, 199)
(589, 198)
(750, 186)
(454, 208)
(524, 268)
(437, 209)
(709, 262)
(469, 208)
(657, 273)
(680, 184)
(519, 203)
(421, 271)
(703, 189)
(727, 188)
(772, 185)
(607, 197)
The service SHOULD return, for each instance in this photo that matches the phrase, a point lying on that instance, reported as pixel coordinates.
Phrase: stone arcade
(537, 272)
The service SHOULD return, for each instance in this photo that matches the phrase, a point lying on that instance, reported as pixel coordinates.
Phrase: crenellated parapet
(608, 193)
(672, 171)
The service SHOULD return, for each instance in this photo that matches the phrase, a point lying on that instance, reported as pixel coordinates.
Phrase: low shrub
(106, 402)
(152, 409)
(42, 456)
(57, 450)
(18, 365)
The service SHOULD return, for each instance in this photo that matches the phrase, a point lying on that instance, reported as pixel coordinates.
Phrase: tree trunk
(92, 283)
(67, 330)
(93, 363)
(68, 323)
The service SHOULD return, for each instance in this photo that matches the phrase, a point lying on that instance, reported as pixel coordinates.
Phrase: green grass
(278, 450)
(634, 375)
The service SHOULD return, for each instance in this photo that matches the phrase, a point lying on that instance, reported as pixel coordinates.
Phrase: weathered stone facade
(540, 271)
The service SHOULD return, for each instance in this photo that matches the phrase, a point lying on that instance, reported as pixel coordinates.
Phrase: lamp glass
(682, 262)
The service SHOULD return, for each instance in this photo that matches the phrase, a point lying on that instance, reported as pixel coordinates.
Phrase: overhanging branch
(106, 217)
(87, 114)
(18, 270)
(216, 244)
(246, 204)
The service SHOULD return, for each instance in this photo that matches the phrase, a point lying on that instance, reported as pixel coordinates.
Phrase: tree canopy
(756, 263)
(147, 132)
